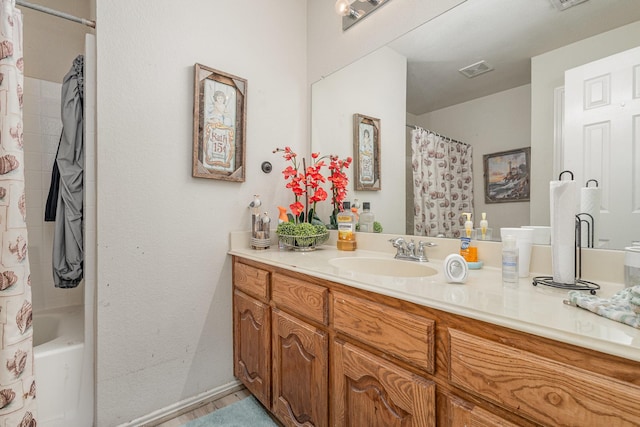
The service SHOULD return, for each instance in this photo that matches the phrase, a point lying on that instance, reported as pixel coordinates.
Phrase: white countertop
(537, 310)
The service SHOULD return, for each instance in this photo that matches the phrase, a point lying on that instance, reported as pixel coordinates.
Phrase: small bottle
(509, 260)
(346, 229)
(484, 224)
(366, 218)
(468, 251)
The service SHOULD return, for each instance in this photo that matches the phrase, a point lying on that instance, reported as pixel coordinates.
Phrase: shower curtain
(17, 382)
(442, 184)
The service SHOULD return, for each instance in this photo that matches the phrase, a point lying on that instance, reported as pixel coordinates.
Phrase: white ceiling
(506, 34)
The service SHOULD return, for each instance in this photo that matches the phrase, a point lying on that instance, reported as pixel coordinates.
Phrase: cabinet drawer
(406, 336)
(306, 299)
(463, 414)
(251, 280)
(541, 389)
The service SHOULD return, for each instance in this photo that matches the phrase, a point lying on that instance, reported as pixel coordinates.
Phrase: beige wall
(164, 320)
(547, 73)
(335, 100)
(51, 43)
(330, 48)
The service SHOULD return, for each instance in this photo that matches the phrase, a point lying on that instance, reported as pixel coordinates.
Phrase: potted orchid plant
(303, 229)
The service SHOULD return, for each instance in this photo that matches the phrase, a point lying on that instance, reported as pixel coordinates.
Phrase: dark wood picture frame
(507, 176)
(366, 153)
(219, 124)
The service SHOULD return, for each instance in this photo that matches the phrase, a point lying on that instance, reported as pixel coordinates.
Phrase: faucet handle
(422, 244)
(397, 242)
(411, 247)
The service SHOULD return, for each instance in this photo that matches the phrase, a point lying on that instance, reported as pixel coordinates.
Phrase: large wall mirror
(415, 81)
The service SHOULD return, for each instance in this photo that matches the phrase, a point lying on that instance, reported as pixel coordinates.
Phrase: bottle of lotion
(484, 224)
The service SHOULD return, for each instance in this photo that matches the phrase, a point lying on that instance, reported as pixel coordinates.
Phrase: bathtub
(64, 373)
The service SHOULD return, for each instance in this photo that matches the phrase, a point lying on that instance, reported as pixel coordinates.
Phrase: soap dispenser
(484, 225)
(468, 252)
(468, 224)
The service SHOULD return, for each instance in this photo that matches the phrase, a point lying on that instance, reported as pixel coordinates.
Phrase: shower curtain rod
(57, 13)
(437, 134)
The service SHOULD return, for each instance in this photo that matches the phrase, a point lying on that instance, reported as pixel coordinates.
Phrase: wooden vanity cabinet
(319, 353)
(252, 330)
(251, 344)
(300, 371)
(370, 391)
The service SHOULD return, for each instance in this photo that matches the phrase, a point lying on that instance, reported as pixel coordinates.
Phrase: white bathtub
(63, 371)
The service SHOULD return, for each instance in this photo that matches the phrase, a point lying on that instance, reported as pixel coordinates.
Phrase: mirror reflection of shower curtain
(17, 381)
(442, 184)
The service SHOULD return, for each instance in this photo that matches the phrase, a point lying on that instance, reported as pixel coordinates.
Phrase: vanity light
(351, 15)
(343, 8)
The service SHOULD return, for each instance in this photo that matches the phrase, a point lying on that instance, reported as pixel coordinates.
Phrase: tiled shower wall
(42, 127)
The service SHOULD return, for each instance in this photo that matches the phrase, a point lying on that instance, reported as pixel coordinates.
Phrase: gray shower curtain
(17, 381)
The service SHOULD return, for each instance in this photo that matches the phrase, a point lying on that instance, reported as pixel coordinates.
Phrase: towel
(623, 306)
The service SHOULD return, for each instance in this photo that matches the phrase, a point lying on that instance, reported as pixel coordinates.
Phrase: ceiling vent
(476, 69)
(566, 4)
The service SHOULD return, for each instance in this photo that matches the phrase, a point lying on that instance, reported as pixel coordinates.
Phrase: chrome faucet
(407, 250)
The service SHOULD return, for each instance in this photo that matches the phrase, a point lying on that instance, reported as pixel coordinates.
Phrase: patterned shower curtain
(17, 383)
(442, 184)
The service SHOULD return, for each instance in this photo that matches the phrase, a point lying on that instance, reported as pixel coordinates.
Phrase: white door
(602, 140)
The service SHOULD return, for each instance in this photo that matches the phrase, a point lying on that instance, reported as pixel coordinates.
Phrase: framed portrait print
(219, 122)
(507, 176)
(366, 152)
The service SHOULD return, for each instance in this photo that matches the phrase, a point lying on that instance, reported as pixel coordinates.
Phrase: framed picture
(507, 176)
(219, 122)
(366, 152)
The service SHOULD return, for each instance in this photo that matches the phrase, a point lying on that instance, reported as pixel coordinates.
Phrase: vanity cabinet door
(300, 372)
(252, 345)
(370, 391)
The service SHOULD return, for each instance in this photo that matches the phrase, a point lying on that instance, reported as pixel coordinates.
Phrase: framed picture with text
(219, 123)
(366, 152)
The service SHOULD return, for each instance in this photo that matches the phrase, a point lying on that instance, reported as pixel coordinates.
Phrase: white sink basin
(383, 267)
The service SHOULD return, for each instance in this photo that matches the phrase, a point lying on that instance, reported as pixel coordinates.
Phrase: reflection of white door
(602, 139)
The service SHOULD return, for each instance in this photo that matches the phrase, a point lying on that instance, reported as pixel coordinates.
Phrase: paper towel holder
(563, 172)
(579, 284)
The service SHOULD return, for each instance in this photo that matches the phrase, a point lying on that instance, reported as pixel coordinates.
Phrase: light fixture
(343, 8)
(351, 15)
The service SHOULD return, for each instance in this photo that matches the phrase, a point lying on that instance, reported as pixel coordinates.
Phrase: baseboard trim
(183, 406)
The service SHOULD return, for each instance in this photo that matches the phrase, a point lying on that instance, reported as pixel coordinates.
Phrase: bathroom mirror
(513, 37)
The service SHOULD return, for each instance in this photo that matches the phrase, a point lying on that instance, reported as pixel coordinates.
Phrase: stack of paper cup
(632, 266)
(524, 240)
(541, 234)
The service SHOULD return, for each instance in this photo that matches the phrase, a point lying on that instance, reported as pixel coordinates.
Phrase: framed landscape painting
(507, 176)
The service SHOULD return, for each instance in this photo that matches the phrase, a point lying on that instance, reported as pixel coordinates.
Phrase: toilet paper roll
(590, 201)
(564, 207)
